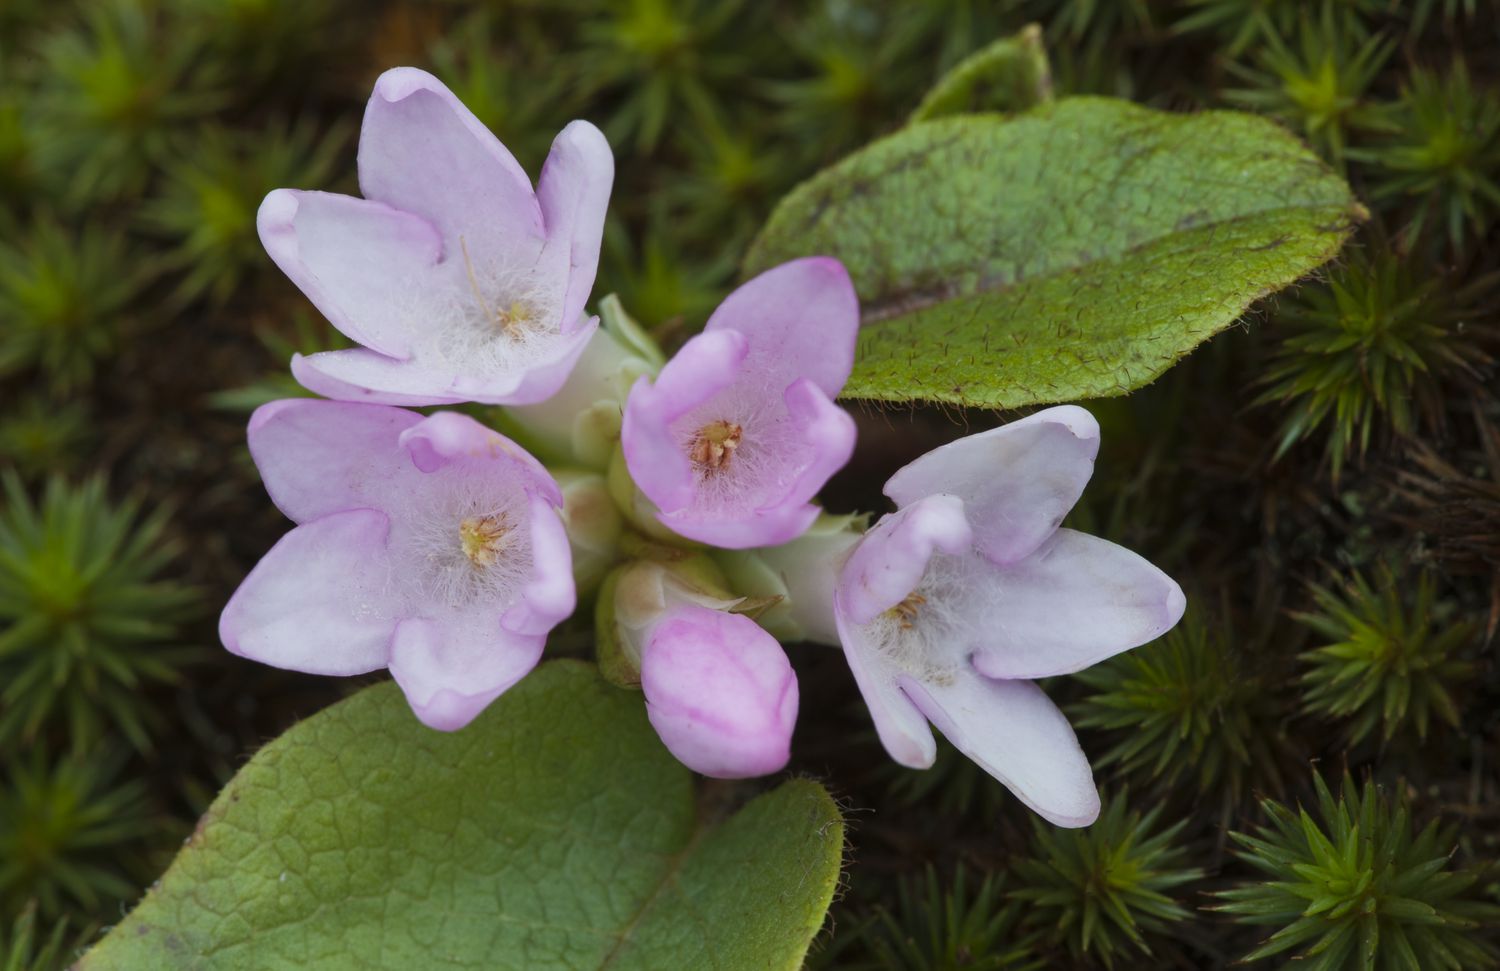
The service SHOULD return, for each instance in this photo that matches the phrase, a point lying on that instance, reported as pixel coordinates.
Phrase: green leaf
(1010, 74)
(554, 832)
(1075, 251)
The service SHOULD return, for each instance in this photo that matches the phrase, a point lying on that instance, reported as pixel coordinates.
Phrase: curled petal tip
(1176, 605)
(449, 711)
(830, 265)
(398, 83)
(276, 212)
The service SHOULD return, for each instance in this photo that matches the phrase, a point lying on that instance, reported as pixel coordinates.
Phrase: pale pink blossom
(950, 607)
(739, 431)
(460, 282)
(431, 546)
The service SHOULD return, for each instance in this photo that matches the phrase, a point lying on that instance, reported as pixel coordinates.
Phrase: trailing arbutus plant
(505, 458)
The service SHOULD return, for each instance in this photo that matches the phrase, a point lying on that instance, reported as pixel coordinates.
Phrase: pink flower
(461, 282)
(719, 692)
(431, 546)
(739, 430)
(949, 607)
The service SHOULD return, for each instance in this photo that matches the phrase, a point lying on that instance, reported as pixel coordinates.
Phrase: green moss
(87, 621)
(959, 924)
(1394, 659)
(70, 833)
(1438, 166)
(1189, 710)
(65, 295)
(1362, 356)
(207, 203)
(1101, 894)
(1355, 884)
(1317, 78)
(114, 91)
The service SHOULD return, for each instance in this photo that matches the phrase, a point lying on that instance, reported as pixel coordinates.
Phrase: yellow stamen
(511, 320)
(483, 538)
(906, 611)
(514, 319)
(714, 446)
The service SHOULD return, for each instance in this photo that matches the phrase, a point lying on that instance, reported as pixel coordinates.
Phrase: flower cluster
(444, 551)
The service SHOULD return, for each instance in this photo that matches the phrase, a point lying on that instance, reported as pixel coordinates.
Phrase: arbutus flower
(739, 430)
(460, 281)
(950, 607)
(431, 546)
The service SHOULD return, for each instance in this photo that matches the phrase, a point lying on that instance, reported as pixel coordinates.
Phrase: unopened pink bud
(720, 693)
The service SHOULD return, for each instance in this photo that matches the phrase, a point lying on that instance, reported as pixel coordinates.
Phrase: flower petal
(422, 151)
(448, 436)
(1074, 602)
(706, 364)
(538, 380)
(901, 726)
(358, 374)
(1015, 733)
(367, 267)
(319, 457)
(573, 192)
(1017, 481)
(801, 319)
(550, 595)
(891, 559)
(766, 527)
(316, 602)
(830, 432)
(451, 669)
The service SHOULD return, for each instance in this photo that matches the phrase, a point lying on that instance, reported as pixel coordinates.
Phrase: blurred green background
(1323, 480)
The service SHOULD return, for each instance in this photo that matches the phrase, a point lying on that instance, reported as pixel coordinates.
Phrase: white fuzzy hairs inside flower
(427, 546)
(770, 456)
(931, 643)
(452, 312)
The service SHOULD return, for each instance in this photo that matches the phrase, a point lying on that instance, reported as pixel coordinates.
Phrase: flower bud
(593, 525)
(580, 424)
(639, 511)
(720, 692)
(800, 574)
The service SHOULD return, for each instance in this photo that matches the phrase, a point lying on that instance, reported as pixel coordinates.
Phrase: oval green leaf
(1073, 252)
(553, 832)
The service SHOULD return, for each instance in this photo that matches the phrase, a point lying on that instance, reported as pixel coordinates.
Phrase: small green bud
(639, 511)
(580, 425)
(797, 578)
(616, 667)
(594, 525)
(747, 570)
(629, 334)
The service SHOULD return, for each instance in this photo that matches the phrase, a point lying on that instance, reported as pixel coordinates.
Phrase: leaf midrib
(899, 303)
(675, 864)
